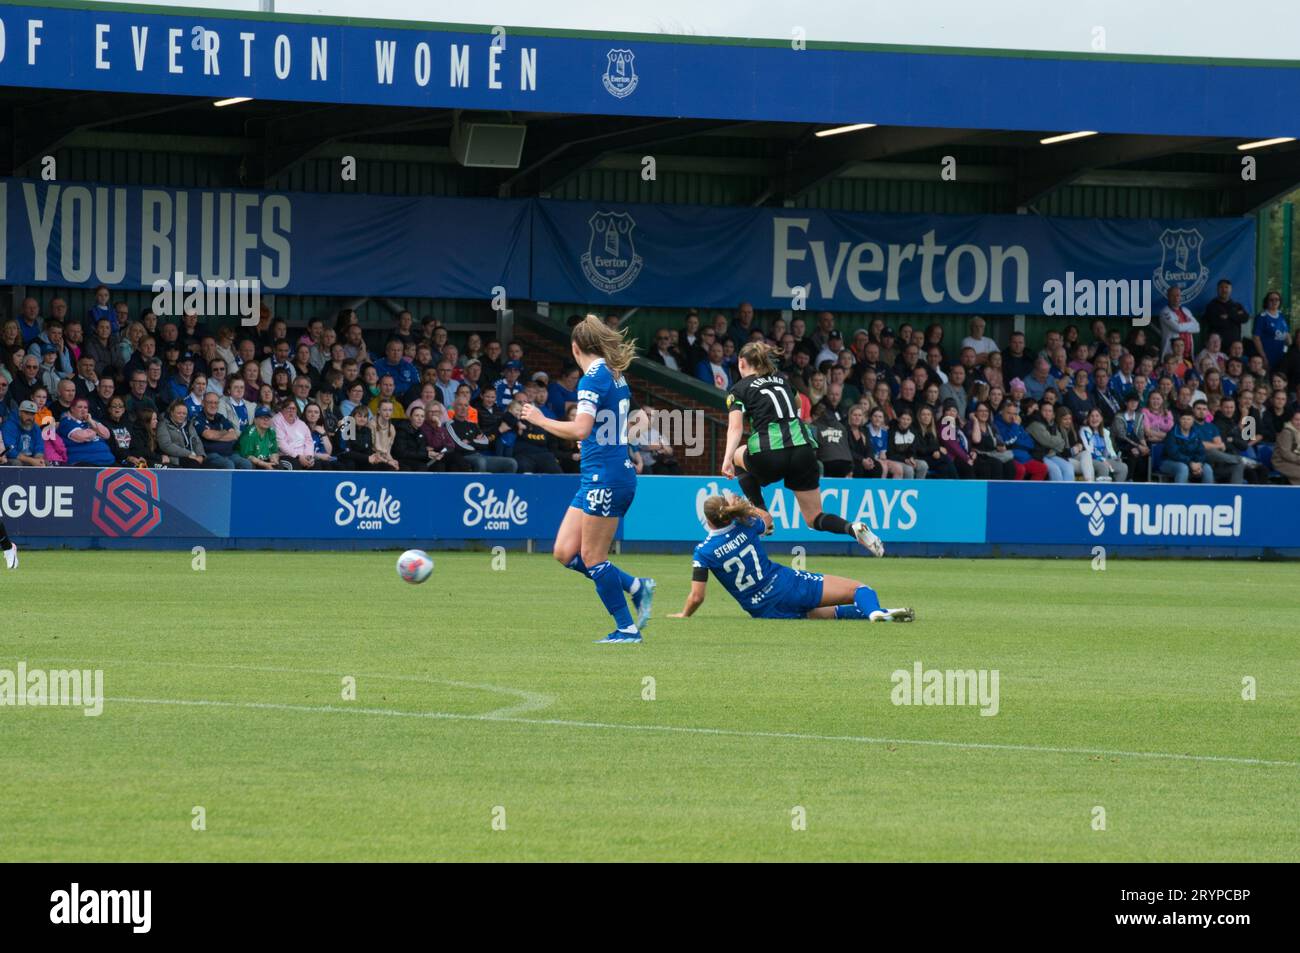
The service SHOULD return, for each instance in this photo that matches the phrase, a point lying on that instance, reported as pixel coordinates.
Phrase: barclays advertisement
(69, 234)
(919, 511)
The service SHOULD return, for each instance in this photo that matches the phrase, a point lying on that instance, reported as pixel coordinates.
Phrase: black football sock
(830, 523)
(749, 485)
(5, 541)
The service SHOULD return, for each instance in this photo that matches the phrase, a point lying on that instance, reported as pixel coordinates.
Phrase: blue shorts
(801, 594)
(604, 499)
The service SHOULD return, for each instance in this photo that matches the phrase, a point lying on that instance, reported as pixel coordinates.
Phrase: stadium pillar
(1288, 213)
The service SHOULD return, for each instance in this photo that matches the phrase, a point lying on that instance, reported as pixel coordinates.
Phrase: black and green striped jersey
(771, 406)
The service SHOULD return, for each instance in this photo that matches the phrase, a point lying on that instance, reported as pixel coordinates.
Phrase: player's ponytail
(721, 511)
(593, 336)
(761, 357)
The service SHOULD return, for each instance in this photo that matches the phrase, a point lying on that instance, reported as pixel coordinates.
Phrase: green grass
(1144, 657)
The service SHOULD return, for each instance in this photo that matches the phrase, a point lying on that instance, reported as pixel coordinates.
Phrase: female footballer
(780, 446)
(608, 475)
(733, 551)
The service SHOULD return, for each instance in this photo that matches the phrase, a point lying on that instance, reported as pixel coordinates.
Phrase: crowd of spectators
(1214, 398)
(108, 389)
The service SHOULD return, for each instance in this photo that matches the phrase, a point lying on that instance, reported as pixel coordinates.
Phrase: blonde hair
(593, 336)
(760, 356)
(723, 510)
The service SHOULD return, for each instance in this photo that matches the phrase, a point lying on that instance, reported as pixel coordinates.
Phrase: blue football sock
(610, 589)
(626, 580)
(866, 601)
(848, 612)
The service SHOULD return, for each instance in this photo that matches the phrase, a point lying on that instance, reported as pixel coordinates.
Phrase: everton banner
(74, 234)
(613, 254)
(621, 254)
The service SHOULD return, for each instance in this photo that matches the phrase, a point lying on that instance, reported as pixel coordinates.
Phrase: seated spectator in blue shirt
(508, 387)
(220, 437)
(21, 439)
(1184, 453)
(102, 310)
(86, 439)
(403, 372)
(177, 387)
(563, 391)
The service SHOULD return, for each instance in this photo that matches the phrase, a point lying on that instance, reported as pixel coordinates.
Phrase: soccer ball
(414, 565)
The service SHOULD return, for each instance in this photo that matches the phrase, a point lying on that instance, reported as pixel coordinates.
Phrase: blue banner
(920, 511)
(292, 242)
(1142, 514)
(219, 54)
(620, 255)
(842, 261)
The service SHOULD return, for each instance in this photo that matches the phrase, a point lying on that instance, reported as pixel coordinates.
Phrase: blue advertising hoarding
(218, 54)
(1144, 514)
(670, 508)
(161, 507)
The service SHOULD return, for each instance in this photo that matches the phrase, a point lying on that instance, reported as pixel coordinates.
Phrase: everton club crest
(611, 262)
(1180, 263)
(620, 73)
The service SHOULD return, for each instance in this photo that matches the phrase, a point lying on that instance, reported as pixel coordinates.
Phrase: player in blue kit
(733, 551)
(608, 475)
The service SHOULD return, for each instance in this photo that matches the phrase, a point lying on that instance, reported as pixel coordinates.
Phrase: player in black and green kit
(8, 547)
(781, 448)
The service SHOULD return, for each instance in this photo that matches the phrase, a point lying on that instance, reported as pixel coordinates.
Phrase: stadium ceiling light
(1064, 137)
(233, 100)
(1263, 143)
(823, 133)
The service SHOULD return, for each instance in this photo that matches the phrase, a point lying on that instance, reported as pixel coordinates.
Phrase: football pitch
(487, 726)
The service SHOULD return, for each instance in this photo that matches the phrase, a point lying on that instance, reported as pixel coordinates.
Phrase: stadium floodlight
(233, 100)
(823, 133)
(1064, 137)
(1265, 143)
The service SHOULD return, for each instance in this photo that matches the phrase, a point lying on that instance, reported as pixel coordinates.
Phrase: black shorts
(797, 466)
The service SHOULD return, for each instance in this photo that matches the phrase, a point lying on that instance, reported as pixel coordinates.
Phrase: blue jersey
(608, 400)
(737, 559)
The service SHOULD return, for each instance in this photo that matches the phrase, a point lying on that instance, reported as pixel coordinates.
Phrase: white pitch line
(723, 732)
(529, 701)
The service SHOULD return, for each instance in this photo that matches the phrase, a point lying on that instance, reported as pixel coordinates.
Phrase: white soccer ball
(414, 566)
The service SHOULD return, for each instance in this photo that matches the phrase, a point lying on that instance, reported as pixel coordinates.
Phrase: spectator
(26, 380)
(257, 444)
(322, 445)
(1184, 453)
(1107, 465)
(1271, 331)
(20, 438)
(219, 435)
(1212, 356)
(1177, 321)
(178, 439)
(1107, 400)
(29, 320)
(234, 407)
(930, 449)
(1286, 457)
(1223, 316)
(832, 443)
(563, 393)
(411, 447)
(1229, 466)
(877, 434)
(1041, 380)
(144, 437)
(402, 371)
(1157, 421)
(1290, 365)
(664, 353)
(1080, 458)
(977, 342)
(1128, 435)
(84, 437)
(293, 438)
(507, 388)
(1235, 440)
(902, 447)
(119, 434)
(1050, 445)
(1079, 397)
(1015, 438)
(993, 460)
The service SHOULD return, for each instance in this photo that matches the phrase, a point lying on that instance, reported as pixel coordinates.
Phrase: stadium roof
(147, 78)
